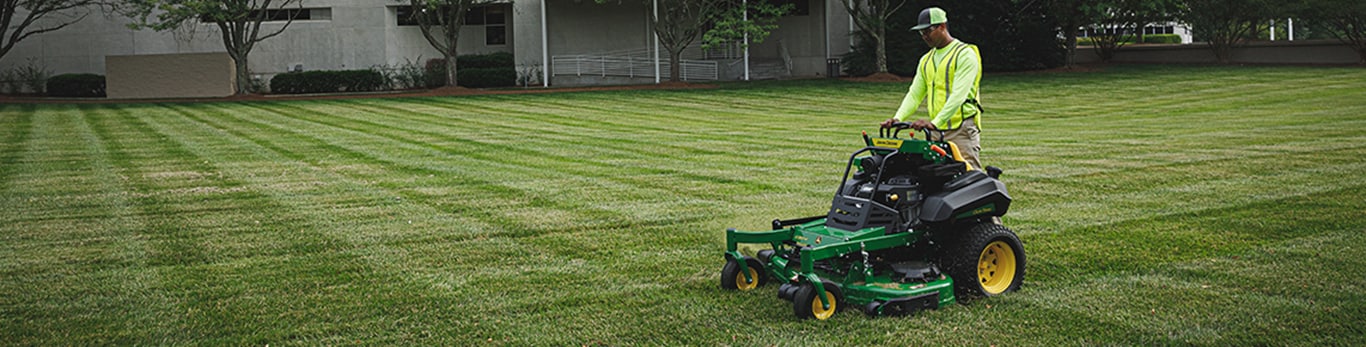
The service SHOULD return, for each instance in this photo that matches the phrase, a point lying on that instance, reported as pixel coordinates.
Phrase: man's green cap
(931, 16)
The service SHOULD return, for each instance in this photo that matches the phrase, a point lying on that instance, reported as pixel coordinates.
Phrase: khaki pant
(968, 144)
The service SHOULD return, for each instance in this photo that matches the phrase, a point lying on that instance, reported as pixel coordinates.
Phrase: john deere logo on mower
(984, 209)
(887, 143)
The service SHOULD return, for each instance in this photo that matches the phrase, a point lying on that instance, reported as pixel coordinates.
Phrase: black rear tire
(987, 259)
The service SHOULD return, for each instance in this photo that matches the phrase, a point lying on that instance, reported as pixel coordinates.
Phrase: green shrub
(76, 85)
(475, 71)
(485, 61)
(32, 76)
(436, 72)
(327, 82)
(1089, 41)
(487, 77)
(1162, 38)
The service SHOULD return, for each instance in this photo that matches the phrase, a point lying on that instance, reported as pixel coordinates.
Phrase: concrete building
(559, 39)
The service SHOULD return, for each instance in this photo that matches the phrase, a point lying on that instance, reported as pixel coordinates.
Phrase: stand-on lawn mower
(913, 228)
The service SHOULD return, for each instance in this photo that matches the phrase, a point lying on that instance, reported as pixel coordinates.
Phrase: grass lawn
(1158, 205)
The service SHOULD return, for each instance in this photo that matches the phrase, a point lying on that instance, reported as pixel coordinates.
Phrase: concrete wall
(191, 75)
(526, 22)
(359, 34)
(585, 27)
(1265, 52)
(809, 39)
(355, 34)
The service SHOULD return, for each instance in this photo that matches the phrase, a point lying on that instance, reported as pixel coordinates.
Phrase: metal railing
(629, 66)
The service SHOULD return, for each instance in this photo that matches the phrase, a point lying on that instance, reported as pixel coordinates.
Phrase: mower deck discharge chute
(912, 228)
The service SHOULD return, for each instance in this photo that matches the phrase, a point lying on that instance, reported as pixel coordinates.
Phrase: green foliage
(1224, 24)
(1112, 23)
(488, 77)
(435, 72)
(328, 82)
(408, 75)
(1341, 19)
(76, 85)
(1091, 41)
(28, 78)
(731, 25)
(475, 71)
(1011, 36)
(484, 61)
(1162, 38)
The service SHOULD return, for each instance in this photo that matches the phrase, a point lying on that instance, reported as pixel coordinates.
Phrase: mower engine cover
(973, 194)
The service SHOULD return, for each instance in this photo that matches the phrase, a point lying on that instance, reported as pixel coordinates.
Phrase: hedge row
(487, 77)
(83, 85)
(1162, 38)
(328, 82)
(1150, 38)
(475, 71)
(485, 61)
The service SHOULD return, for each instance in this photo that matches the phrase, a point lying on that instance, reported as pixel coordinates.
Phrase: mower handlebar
(899, 126)
(887, 131)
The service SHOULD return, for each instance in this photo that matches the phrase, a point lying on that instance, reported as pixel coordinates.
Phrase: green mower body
(911, 227)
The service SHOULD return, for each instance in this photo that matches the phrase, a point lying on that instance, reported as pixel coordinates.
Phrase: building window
(283, 14)
(495, 35)
(495, 27)
(1159, 30)
(493, 18)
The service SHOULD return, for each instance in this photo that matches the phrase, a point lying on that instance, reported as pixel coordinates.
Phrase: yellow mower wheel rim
(819, 311)
(741, 284)
(996, 267)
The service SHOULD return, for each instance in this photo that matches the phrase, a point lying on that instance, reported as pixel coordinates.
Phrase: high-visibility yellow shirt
(948, 79)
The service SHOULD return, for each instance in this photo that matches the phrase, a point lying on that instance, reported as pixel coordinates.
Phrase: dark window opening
(274, 15)
(495, 35)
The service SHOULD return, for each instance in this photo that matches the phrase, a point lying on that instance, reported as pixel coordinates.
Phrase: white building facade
(557, 39)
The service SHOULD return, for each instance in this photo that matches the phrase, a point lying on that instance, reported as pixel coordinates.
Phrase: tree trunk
(1221, 52)
(881, 49)
(1071, 41)
(451, 62)
(243, 86)
(675, 67)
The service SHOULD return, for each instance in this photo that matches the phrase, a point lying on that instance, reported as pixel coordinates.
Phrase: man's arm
(912, 99)
(969, 67)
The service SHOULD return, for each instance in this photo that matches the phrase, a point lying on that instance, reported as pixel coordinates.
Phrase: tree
(677, 23)
(1344, 19)
(238, 22)
(1225, 24)
(39, 16)
(440, 21)
(1013, 35)
(872, 16)
(754, 21)
(1115, 23)
(1071, 15)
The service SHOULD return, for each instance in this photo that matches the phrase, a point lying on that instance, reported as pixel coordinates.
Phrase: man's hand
(888, 123)
(921, 124)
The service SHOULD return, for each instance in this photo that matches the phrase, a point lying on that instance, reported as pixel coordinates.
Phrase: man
(947, 80)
